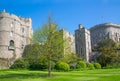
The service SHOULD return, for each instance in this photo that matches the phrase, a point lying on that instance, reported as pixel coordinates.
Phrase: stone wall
(83, 43)
(69, 42)
(15, 33)
(105, 31)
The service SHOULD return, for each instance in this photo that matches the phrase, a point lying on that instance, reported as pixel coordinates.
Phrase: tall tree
(51, 42)
(108, 50)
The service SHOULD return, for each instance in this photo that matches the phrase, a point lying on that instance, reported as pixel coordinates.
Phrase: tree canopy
(109, 53)
(51, 40)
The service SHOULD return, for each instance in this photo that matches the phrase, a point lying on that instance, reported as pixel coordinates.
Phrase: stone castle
(15, 33)
(87, 39)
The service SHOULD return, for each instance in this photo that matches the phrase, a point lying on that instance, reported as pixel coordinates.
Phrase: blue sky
(66, 13)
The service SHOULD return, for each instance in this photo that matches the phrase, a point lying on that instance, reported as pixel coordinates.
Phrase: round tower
(13, 36)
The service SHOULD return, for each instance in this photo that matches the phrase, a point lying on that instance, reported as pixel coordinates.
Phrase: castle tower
(69, 42)
(15, 33)
(105, 31)
(83, 42)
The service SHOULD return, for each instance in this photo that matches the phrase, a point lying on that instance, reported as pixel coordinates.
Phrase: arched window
(11, 43)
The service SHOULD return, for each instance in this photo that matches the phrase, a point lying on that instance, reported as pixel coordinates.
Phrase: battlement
(104, 25)
(27, 20)
(4, 14)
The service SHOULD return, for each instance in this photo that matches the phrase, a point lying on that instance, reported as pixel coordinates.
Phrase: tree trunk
(49, 68)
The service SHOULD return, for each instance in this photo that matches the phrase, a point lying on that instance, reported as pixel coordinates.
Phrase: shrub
(97, 66)
(20, 64)
(80, 65)
(36, 66)
(112, 66)
(62, 66)
(41, 66)
(91, 66)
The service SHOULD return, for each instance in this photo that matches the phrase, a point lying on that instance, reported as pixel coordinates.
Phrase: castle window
(22, 46)
(11, 33)
(12, 24)
(11, 45)
(116, 34)
(22, 30)
(81, 51)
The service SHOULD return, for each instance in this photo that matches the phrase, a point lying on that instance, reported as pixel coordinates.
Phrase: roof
(105, 25)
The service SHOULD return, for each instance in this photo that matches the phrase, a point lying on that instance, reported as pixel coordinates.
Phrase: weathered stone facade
(105, 31)
(15, 33)
(83, 42)
(69, 42)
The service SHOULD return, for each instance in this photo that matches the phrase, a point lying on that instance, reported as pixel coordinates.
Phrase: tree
(32, 53)
(20, 64)
(108, 52)
(50, 39)
(70, 58)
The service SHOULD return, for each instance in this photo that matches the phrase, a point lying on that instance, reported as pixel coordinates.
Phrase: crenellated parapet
(22, 20)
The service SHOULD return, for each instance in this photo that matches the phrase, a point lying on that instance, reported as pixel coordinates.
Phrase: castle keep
(15, 33)
(105, 31)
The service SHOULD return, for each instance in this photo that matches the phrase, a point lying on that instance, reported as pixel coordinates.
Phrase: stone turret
(15, 33)
(80, 26)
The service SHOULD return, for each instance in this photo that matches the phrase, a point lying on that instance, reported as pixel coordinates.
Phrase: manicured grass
(87, 75)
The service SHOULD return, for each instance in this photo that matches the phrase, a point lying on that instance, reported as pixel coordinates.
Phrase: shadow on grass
(24, 75)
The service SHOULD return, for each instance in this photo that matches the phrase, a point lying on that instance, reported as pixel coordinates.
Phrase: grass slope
(89, 75)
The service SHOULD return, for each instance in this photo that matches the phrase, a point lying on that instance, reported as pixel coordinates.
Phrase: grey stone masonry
(83, 43)
(15, 33)
(69, 42)
(105, 31)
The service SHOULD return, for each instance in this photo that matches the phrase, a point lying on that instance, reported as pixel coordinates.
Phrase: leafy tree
(70, 58)
(108, 52)
(20, 64)
(107, 43)
(52, 44)
(42, 65)
(32, 53)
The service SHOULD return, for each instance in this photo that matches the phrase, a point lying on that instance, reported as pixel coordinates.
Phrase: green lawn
(88, 75)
